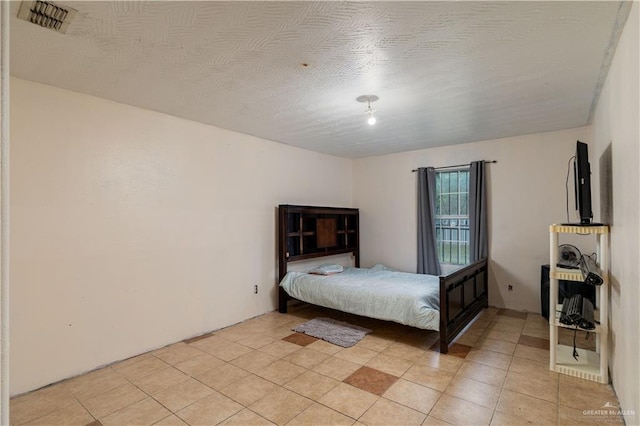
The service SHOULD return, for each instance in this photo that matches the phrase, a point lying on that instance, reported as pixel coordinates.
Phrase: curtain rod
(457, 165)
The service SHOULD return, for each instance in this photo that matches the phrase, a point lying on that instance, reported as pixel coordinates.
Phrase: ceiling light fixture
(369, 111)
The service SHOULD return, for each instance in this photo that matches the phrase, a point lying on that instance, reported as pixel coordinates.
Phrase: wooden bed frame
(306, 232)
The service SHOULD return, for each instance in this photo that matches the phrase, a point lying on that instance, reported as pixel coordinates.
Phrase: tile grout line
(501, 390)
(85, 408)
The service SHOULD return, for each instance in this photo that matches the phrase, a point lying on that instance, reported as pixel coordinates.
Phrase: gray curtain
(478, 228)
(427, 248)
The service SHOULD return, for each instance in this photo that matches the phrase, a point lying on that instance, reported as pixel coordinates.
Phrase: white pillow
(327, 269)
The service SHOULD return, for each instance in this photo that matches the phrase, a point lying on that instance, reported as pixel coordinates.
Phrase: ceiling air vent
(47, 14)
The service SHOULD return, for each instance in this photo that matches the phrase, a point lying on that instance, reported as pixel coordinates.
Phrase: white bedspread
(410, 299)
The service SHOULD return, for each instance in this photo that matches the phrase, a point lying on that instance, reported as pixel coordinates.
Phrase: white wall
(615, 164)
(132, 229)
(526, 191)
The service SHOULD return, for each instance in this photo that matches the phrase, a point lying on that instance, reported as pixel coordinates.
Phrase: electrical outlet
(255, 289)
(510, 287)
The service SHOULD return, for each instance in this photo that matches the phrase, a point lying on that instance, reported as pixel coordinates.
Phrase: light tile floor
(260, 373)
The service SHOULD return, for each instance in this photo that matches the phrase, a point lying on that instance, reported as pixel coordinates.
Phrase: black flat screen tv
(582, 178)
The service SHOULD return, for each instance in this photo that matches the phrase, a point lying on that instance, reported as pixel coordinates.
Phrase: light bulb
(369, 111)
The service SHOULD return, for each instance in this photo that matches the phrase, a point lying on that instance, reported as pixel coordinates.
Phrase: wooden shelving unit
(590, 365)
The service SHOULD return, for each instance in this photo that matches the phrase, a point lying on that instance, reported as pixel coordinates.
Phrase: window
(452, 216)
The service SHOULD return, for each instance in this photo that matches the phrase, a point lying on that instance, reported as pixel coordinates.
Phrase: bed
(446, 304)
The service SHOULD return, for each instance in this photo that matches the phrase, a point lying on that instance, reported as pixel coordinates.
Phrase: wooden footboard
(463, 294)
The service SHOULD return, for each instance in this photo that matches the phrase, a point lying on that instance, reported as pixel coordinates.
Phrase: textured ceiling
(445, 72)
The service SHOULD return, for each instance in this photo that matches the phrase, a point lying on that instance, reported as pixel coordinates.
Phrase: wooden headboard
(306, 232)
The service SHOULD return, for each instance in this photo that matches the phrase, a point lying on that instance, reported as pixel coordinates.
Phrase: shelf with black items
(575, 275)
(582, 363)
